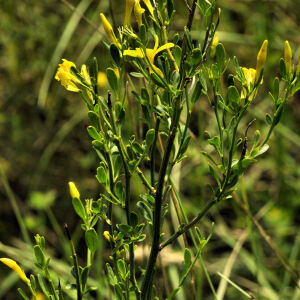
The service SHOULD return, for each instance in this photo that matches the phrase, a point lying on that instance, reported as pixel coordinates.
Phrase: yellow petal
(73, 190)
(13, 265)
(164, 47)
(156, 69)
(149, 6)
(138, 52)
(66, 77)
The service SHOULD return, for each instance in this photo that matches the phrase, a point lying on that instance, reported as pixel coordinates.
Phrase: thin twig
(78, 12)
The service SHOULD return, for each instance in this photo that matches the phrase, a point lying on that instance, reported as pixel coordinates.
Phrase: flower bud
(109, 30)
(106, 235)
(287, 57)
(73, 190)
(138, 12)
(128, 11)
(261, 59)
(214, 44)
(13, 265)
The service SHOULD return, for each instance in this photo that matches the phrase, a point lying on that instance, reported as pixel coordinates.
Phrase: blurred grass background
(43, 140)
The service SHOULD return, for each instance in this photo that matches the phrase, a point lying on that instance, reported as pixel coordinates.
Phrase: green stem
(147, 282)
(153, 147)
(219, 124)
(230, 157)
(75, 263)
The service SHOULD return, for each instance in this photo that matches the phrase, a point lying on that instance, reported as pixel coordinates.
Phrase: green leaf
(170, 8)
(196, 57)
(143, 34)
(125, 229)
(39, 255)
(99, 145)
(215, 175)
(221, 56)
(115, 54)
(112, 79)
(94, 118)
(282, 69)
(196, 92)
(262, 150)
(92, 131)
(111, 275)
(136, 74)
(177, 54)
(91, 239)
(215, 141)
(78, 207)
(157, 80)
(22, 293)
(203, 81)
(256, 138)
(150, 136)
(188, 38)
(134, 219)
(101, 175)
(32, 282)
(278, 113)
(276, 89)
(118, 292)
(84, 276)
(187, 258)
(120, 192)
(42, 284)
(269, 119)
(122, 268)
(234, 99)
(145, 210)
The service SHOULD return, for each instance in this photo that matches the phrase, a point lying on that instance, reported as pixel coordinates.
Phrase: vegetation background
(44, 144)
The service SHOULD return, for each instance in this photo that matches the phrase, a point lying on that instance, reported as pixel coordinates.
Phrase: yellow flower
(128, 11)
(109, 30)
(13, 265)
(66, 77)
(214, 44)
(73, 190)
(261, 59)
(151, 53)
(287, 57)
(106, 235)
(250, 81)
(149, 6)
(138, 12)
